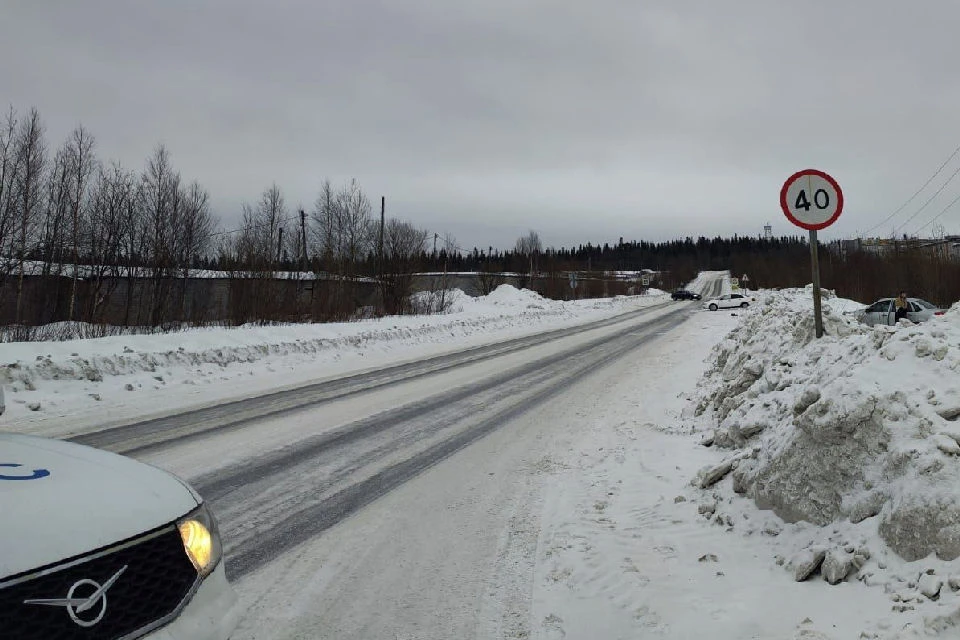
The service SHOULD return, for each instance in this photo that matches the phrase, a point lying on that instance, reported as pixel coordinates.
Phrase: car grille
(158, 579)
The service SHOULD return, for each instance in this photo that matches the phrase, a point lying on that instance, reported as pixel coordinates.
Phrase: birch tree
(83, 162)
(30, 150)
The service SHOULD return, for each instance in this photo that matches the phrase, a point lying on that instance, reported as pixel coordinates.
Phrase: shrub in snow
(441, 301)
(851, 426)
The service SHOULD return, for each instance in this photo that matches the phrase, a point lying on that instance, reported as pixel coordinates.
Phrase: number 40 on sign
(811, 199)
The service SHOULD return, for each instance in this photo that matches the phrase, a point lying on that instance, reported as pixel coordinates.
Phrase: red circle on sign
(786, 209)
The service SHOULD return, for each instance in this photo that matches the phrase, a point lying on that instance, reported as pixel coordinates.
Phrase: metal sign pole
(815, 266)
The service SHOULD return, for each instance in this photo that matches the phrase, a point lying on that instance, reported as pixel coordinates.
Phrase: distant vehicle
(97, 545)
(883, 312)
(728, 301)
(683, 294)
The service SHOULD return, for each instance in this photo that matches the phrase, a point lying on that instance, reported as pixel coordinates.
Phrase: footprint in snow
(553, 626)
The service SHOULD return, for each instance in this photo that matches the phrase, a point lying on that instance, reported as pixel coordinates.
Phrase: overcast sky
(584, 120)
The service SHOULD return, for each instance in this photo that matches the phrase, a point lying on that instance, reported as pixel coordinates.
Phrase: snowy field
(64, 388)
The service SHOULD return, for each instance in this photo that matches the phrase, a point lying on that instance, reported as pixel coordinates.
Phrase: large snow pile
(507, 295)
(860, 426)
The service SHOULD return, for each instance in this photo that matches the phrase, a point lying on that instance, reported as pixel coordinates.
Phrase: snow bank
(859, 425)
(40, 374)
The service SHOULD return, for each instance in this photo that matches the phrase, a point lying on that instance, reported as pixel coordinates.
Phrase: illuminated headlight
(201, 539)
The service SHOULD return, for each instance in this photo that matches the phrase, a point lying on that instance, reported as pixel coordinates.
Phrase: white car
(96, 545)
(727, 301)
(883, 312)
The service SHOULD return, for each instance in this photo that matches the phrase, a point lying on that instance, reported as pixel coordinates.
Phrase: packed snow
(103, 381)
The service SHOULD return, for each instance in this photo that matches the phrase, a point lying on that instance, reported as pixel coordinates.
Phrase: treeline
(136, 234)
(65, 207)
(77, 231)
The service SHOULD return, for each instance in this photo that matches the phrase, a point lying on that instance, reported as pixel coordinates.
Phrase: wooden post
(303, 238)
(815, 266)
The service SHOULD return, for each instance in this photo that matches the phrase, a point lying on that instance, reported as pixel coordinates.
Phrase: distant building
(947, 247)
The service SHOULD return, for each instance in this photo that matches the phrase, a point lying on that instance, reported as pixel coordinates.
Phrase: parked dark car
(683, 294)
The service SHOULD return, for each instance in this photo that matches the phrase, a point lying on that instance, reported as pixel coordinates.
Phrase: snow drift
(43, 373)
(860, 424)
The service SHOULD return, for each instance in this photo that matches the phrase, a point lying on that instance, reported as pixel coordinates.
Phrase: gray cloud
(584, 120)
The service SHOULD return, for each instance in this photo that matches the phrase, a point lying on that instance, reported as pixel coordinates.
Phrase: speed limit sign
(811, 199)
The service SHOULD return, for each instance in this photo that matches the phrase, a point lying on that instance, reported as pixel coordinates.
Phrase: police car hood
(59, 500)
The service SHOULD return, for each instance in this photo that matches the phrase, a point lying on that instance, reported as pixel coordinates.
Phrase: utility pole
(383, 214)
(303, 237)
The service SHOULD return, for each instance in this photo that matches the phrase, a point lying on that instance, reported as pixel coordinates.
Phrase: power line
(929, 200)
(254, 226)
(936, 217)
(918, 191)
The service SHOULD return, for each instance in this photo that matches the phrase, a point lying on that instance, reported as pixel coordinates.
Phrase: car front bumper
(212, 613)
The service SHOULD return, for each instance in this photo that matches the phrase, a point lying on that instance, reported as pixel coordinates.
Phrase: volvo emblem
(83, 599)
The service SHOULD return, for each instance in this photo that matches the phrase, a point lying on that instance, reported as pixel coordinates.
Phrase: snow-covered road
(449, 456)
(450, 551)
(189, 425)
(280, 480)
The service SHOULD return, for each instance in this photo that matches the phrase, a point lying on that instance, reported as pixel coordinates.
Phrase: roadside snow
(629, 549)
(62, 388)
(839, 456)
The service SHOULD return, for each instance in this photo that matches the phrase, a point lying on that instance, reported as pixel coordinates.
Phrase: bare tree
(253, 254)
(8, 200)
(157, 195)
(356, 226)
(135, 246)
(326, 226)
(528, 247)
(31, 162)
(57, 203)
(344, 235)
(264, 226)
(82, 159)
(529, 244)
(196, 227)
(105, 230)
(403, 249)
(52, 240)
(271, 220)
